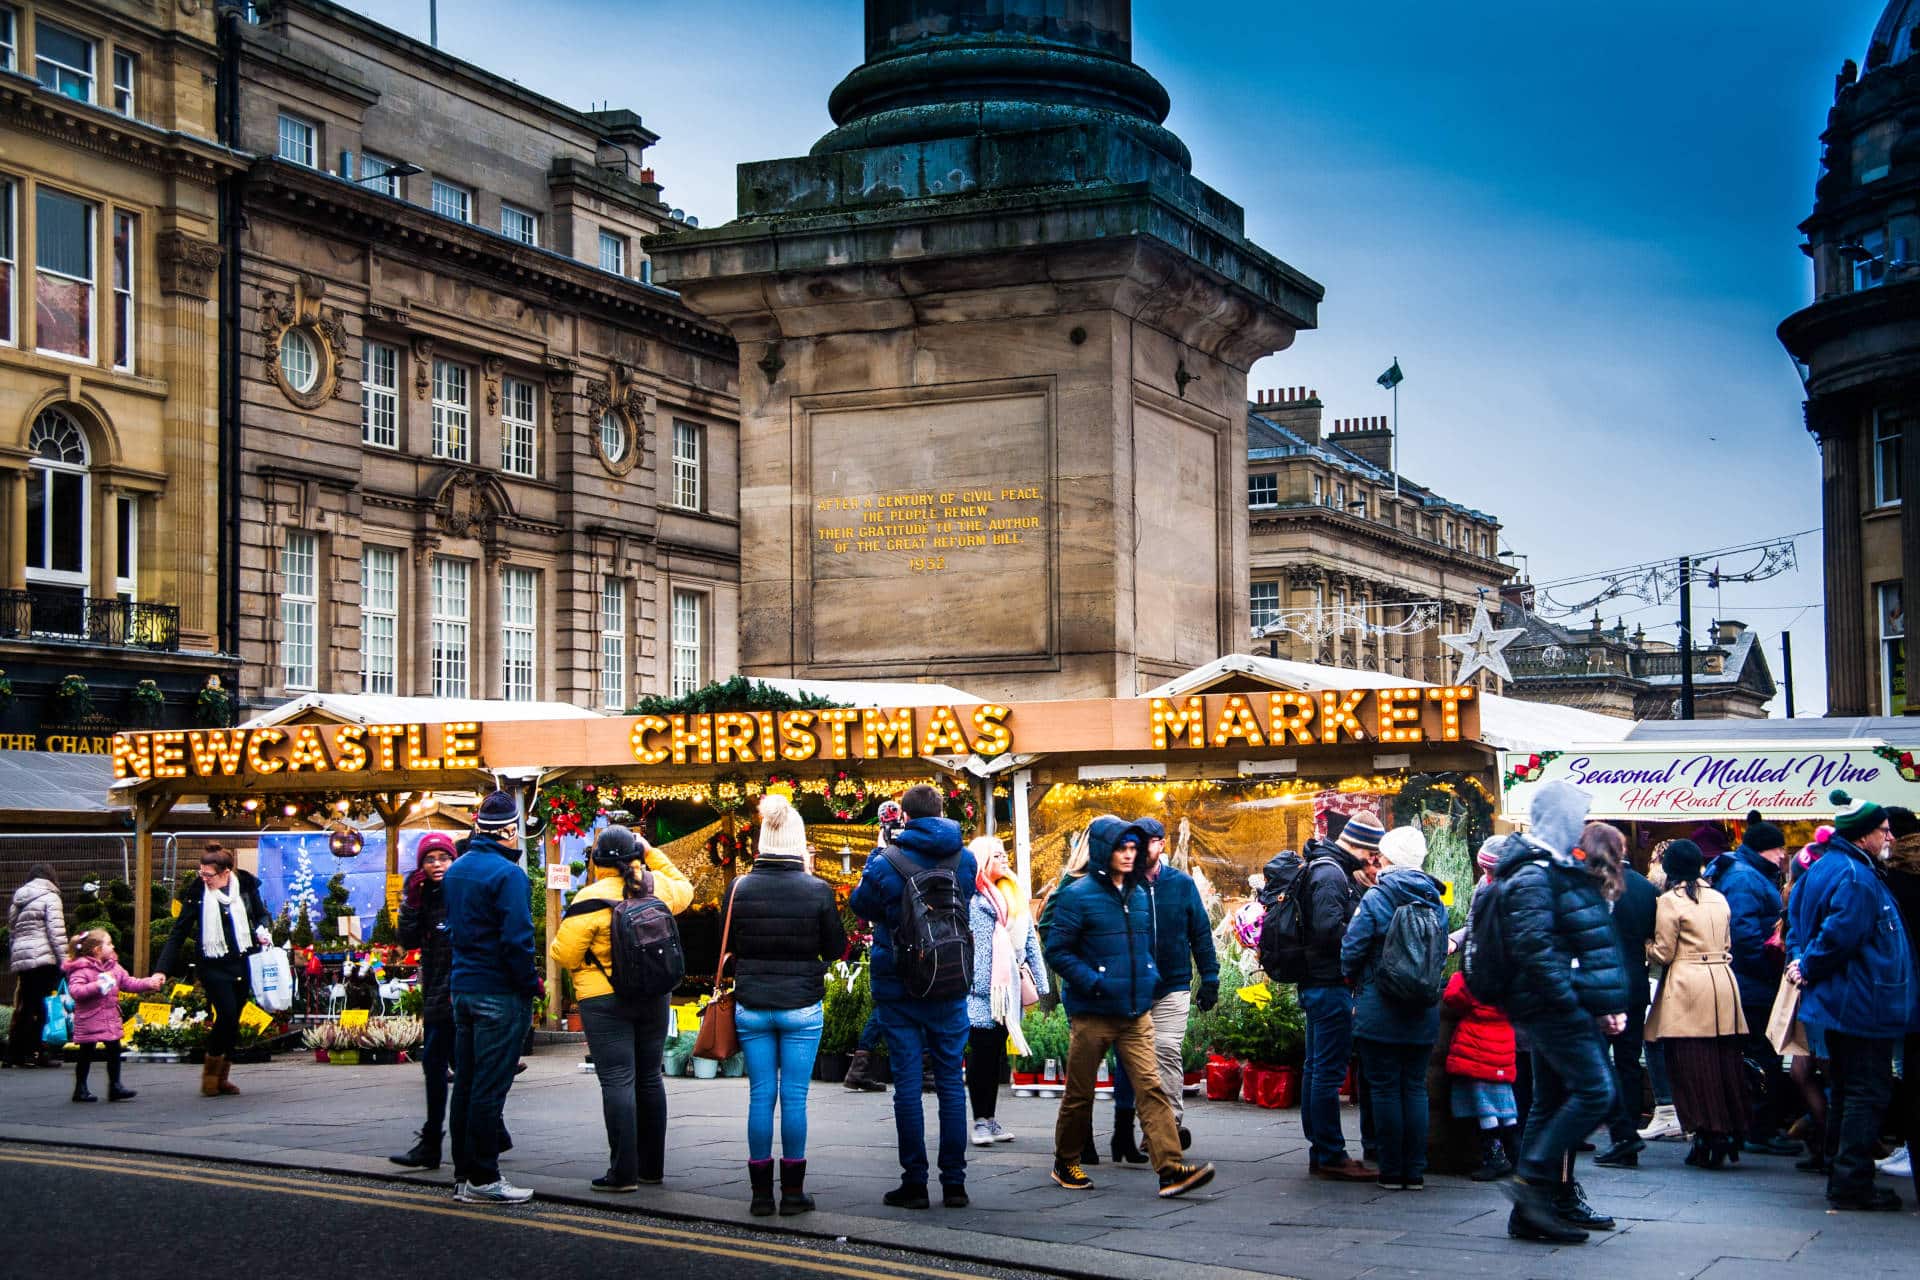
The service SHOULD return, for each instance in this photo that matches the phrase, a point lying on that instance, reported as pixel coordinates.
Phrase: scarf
(213, 939)
(1010, 911)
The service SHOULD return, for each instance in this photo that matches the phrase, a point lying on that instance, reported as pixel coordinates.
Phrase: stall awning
(368, 708)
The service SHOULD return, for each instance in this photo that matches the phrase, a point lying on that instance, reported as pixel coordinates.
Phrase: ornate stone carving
(324, 328)
(398, 315)
(599, 398)
(186, 264)
(422, 349)
(469, 504)
(490, 370)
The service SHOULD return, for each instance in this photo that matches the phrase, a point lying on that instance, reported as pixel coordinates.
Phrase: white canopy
(369, 708)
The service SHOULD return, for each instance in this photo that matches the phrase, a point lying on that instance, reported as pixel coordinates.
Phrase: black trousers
(1861, 1070)
(228, 989)
(1625, 1049)
(986, 1064)
(31, 987)
(110, 1050)
(1771, 1103)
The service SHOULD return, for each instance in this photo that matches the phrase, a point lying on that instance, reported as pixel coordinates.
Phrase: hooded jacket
(1559, 936)
(423, 925)
(1100, 940)
(489, 921)
(1845, 930)
(186, 925)
(37, 923)
(1332, 898)
(1374, 1016)
(583, 944)
(1482, 1047)
(1182, 934)
(786, 931)
(925, 842)
(1276, 875)
(1751, 886)
(96, 1005)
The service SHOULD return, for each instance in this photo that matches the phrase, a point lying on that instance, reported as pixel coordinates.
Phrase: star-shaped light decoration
(1480, 647)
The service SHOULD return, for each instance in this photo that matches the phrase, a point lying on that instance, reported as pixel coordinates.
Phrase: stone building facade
(480, 455)
(109, 445)
(1858, 348)
(1343, 571)
(1613, 672)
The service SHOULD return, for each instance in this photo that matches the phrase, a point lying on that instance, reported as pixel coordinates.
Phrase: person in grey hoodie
(1395, 1038)
(37, 927)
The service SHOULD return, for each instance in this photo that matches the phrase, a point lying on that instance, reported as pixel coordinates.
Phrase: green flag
(1392, 377)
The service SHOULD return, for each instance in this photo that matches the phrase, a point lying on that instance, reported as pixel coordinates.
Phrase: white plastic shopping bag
(272, 975)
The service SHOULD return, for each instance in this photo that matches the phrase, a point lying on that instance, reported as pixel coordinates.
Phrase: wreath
(725, 850)
(1454, 794)
(728, 794)
(959, 799)
(846, 795)
(568, 809)
(781, 780)
(1529, 771)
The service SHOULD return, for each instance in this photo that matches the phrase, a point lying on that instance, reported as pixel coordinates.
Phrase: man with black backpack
(916, 892)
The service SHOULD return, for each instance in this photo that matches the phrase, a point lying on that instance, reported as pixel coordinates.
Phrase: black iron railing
(58, 615)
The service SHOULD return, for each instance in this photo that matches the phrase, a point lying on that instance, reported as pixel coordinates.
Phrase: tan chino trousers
(1132, 1039)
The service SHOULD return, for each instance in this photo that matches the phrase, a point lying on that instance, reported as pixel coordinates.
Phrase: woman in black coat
(423, 925)
(783, 930)
(227, 920)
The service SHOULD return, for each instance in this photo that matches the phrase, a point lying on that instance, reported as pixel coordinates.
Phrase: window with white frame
(613, 253)
(299, 140)
(1319, 491)
(9, 255)
(613, 436)
(613, 644)
(519, 596)
(376, 174)
(380, 395)
(1887, 448)
(126, 549)
(688, 649)
(1263, 490)
(1893, 649)
(1870, 260)
(125, 231)
(63, 61)
(686, 465)
(299, 608)
(9, 42)
(1340, 496)
(299, 360)
(125, 68)
(379, 620)
(1264, 604)
(519, 426)
(63, 282)
(451, 583)
(519, 224)
(59, 541)
(450, 201)
(452, 411)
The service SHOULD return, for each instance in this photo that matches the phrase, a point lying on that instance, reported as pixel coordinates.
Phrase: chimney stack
(1297, 409)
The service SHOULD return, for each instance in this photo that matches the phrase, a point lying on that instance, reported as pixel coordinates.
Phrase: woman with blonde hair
(1008, 975)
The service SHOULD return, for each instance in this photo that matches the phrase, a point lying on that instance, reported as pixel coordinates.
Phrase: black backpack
(1412, 969)
(932, 945)
(1487, 964)
(648, 961)
(1283, 934)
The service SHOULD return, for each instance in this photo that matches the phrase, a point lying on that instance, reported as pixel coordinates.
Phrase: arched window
(59, 542)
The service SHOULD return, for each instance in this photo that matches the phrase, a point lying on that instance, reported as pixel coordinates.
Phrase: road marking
(427, 1202)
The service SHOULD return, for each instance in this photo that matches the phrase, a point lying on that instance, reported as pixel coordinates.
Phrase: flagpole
(1396, 432)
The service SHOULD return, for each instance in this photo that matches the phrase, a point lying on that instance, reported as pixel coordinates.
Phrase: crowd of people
(1577, 982)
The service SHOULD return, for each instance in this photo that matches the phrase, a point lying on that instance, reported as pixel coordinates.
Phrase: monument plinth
(994, 339)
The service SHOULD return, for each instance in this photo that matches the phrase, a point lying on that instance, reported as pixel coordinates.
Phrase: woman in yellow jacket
(626, 1038)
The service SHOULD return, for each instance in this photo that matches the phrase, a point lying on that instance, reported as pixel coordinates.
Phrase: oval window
(299, 360)
(613, 436)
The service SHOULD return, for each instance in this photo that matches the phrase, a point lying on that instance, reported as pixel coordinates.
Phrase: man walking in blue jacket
(913, 1026)
(1100, 942)
(492, 981)
(1182, 943)
(1749, 879)
(1849, 957)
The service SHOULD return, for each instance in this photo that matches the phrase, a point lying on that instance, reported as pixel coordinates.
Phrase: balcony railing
(59, 615)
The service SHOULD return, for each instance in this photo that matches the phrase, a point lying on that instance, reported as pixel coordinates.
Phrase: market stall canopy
(368, 708)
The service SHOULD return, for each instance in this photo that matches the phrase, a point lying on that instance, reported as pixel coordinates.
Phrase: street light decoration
(1480, 647)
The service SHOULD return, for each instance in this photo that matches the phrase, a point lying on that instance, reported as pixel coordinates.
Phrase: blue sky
(1573, 224)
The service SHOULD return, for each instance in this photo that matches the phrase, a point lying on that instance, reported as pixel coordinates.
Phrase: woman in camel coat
(1696, 1013)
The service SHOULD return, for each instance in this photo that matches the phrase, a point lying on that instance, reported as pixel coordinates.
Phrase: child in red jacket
(1480, 1068)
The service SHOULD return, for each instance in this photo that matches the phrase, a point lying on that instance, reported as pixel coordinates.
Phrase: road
(110, 1213)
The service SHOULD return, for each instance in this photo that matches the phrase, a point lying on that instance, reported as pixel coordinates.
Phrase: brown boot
(227, 1088)
(210, 1077)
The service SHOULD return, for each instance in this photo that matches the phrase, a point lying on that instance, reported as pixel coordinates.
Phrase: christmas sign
(1712, 783)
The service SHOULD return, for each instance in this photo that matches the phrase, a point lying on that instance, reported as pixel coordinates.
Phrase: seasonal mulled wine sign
(1673, 782)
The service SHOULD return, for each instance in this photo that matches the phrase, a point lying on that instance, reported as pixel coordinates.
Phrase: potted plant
(72, 699)
(148, 703)
(679, 1051)
(1270, 1035)
(848, 1004)
(705, 1069)
(1047, 1037)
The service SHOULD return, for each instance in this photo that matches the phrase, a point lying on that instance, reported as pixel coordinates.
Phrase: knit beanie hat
(1404, 847)
(1855, 820)
(1712, 841)
(782, 833)
(1764, 836)
(1363, 831)
(1489, 856)
(435, 840)
(496, 813)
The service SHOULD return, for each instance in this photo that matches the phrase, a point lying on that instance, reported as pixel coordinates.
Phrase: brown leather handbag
(717, 1039)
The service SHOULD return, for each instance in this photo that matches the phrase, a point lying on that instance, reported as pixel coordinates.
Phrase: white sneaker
(499, 1191)
(999, 1134)
(1898, 1165)
(1665, 1124)
(460, 1189)
(982, 1134)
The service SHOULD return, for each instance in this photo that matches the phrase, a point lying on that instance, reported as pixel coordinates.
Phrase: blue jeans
(939, 1029)
(1573, 1092)
(1122, 1086)
(486, 1047)
(1329, 1048)
(780, 1045)
(1396, 1074)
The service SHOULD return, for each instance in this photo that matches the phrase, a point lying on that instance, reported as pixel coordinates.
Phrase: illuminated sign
(292, 749)
(1323, 717)
(834, 733)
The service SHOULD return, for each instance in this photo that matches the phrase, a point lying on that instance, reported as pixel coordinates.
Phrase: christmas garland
(1530, 771)
(846, 795)
(1900, 760)
(959, 799)
(568, 808)
(729, 794)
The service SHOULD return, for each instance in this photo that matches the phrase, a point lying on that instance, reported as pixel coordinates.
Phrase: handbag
(1029, 994)
(59, 1027)
(717, 1039)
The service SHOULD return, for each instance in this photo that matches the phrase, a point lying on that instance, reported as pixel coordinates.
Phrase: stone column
(187, 555)
(1847, 693)
(421, 676)
(17, 529)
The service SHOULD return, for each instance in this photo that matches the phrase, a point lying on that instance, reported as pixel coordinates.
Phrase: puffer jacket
(1844, 928)
(583, 944)
(1374, 1016)
(1559, 936)
(786, 930)
(95, 986)
(1182, 934)
(1332, 897)
(1026, 952)
(38, 924)
(1100, 940)
(1483, 1045)
(925, 842)
(423, 924)
(1751, 886)
(186, 925)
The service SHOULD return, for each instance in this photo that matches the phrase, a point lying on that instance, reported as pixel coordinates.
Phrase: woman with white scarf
(227, 921)
(1008, 975)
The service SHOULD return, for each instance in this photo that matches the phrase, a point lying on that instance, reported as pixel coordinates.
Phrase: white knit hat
(782, 833)
(1404, 847)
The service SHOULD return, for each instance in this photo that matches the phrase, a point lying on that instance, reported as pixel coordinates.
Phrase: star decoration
(1480, 647)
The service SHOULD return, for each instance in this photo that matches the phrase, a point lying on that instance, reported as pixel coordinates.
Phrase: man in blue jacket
(1100, 942)
(1182, 943)
(935, 1026)
(1848, 954)
(492, 981)
(1749, 879)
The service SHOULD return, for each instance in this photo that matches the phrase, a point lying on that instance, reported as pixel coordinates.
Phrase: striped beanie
(1855, 819)
(1363, 831)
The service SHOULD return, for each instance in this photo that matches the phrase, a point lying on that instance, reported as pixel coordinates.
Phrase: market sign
(307, 748)
(1670, 783)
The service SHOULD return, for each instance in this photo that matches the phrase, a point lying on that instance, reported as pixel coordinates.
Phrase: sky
(1574, 225)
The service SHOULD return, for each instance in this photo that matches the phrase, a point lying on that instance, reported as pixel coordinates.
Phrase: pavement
(1262, 1216)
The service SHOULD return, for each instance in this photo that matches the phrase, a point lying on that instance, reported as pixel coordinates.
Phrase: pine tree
(335, 905)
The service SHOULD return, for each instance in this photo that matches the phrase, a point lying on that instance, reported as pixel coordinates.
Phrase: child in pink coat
(95, 981)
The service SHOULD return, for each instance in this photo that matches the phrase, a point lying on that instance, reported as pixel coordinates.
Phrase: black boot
(760, 1177)
(1697, 1154)
(1090, 1154)
(80, 1093)
(1571, 1207)
(1494, 1164)
(425, 1153)
(1624, 1154)
(793, 1188)
(1533, 1217)
(860, 1074)
(1124, 1149)
(117, 1092)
